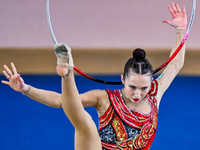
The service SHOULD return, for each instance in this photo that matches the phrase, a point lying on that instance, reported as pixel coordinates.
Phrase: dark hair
(138, 64)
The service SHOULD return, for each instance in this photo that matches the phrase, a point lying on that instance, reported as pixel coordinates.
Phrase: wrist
(179, 27)
(27, 90)
(180, 30)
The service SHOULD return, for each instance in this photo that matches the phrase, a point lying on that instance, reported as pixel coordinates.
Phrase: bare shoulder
(101, 93)
(96, 93)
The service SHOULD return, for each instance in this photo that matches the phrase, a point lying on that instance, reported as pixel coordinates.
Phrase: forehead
(138, 80)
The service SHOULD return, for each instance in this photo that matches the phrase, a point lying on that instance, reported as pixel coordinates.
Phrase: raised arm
(16, 82)
(179, 21)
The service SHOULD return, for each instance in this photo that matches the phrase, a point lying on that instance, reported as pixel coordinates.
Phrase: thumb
(167, 21)
(171, 23)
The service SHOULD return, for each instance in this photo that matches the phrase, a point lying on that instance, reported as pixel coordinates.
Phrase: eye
(132, 87)
(144, 88)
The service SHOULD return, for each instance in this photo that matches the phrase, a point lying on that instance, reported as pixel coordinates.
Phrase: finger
(170, 10)
(174, 8)
(6, 75)
(7, 70)
(184, 10)
(178, 8)
(5, 82)
(13, 68)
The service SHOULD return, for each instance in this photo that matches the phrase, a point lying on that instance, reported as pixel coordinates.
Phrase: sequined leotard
(123, 129)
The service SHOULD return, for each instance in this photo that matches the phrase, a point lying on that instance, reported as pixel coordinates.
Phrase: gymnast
(127, 117)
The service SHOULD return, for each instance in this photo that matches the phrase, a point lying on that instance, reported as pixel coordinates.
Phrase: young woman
(127, 117)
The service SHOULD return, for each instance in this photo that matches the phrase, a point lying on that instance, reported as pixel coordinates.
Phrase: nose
(138, 94)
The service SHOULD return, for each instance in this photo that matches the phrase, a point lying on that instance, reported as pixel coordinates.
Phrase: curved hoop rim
(118, 83)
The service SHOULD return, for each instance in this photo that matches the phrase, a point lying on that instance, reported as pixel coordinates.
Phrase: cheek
(129, 92)
(145, 93)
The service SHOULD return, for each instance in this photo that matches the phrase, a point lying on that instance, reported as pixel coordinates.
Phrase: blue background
(29, 125)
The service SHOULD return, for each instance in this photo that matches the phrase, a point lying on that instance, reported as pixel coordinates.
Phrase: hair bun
(139, 54)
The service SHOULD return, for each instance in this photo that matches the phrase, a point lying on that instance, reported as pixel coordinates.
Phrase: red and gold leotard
(123, 129)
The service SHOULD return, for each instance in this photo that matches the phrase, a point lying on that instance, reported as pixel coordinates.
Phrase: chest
(121, 125)
(144, 107)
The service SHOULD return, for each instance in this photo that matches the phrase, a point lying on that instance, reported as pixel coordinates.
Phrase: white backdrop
(92, 23)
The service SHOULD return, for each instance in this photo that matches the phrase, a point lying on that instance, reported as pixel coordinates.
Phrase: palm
(179, 20)
(15, 81)
(179, 17)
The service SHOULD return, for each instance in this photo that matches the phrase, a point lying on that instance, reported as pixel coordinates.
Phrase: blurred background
(102, 35)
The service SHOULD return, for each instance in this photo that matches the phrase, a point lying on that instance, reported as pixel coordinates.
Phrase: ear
(122, 79)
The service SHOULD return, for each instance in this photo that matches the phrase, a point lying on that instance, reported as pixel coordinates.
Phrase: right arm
(49, 98)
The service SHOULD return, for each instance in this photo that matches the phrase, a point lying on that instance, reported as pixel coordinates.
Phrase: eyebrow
(145, 86)
(136, 86)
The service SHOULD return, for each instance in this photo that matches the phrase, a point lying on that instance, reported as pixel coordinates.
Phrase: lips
(136, 100)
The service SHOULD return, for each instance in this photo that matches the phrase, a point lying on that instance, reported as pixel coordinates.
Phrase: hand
(179, 18)
(15, 81)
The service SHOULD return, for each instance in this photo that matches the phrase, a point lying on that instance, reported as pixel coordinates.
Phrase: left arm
(179, 22)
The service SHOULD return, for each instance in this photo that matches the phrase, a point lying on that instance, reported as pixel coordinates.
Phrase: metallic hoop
(118, 83)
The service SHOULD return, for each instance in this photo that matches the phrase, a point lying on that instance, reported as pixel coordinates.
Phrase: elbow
(178, 66)
(57, 105)
(181, 66)
(178, 63)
